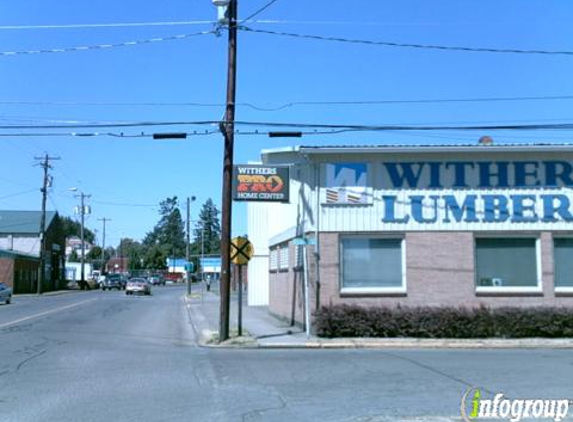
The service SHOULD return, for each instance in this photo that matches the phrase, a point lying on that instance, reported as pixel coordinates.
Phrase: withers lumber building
(439, 225)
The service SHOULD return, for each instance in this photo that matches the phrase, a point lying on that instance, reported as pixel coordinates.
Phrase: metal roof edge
(352, 149)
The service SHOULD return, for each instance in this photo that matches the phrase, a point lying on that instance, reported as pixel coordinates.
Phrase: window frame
(559, 289)
(538, 288)
(394, 290)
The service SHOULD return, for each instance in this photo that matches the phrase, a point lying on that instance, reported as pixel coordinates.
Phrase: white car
(137, 285)
(5, 293)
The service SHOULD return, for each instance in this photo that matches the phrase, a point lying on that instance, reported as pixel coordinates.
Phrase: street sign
(304, 241)
(241, 250)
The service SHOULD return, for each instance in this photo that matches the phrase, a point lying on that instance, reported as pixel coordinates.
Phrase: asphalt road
(105, 356)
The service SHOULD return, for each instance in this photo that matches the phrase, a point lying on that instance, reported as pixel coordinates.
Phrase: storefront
(464, 225)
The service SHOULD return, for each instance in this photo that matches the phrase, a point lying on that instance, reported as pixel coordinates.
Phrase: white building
(435, 225)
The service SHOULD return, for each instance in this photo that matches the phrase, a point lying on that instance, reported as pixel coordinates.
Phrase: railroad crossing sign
(241, 250)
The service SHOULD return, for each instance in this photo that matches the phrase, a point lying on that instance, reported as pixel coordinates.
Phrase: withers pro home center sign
(454, 194)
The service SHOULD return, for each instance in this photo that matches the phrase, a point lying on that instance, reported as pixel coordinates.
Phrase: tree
(134, 251)
(73, 257)
(169, 233)
(155, 258)
(73, 228)
(207, 232)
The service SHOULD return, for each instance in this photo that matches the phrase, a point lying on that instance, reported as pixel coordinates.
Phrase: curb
(204, 338)
(424, 344)
(54, 293)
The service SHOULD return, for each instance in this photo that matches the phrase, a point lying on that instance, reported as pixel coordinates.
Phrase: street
(105, 356)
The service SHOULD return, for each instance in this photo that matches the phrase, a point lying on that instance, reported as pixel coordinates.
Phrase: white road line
(51, 311)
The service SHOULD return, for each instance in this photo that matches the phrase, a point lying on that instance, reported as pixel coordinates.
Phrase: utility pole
(227, 127)
(104, 220)
(45, 164)
(82, 197)
(187, 243)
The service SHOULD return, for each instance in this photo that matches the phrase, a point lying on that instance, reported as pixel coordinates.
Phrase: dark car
(113, 281)
(157, 279)
(5, 293)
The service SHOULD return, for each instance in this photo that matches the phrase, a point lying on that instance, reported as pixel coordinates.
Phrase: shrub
(443, 322)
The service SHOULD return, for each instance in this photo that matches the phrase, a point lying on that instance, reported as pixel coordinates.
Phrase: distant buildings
(20, 244)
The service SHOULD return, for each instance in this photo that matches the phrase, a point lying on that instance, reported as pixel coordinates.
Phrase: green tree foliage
(74, 257)
(207, 230)
(72, 228)
(134, 251)
(155, 258)
(167, 239)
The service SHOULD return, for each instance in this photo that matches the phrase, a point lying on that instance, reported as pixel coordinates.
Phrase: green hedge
(445, 322)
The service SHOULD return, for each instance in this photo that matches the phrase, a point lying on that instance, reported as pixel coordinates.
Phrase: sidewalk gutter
(410, 343)
(53, 293)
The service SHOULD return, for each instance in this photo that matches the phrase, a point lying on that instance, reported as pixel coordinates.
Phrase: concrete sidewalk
(262, 330)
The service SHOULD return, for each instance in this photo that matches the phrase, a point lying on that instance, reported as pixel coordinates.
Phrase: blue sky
(272, 71)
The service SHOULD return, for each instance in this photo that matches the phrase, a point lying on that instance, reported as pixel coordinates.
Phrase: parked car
(138, 285)
(5, 293)
(113, 281)
(157, 279)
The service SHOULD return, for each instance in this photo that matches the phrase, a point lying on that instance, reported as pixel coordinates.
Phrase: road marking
(51, 311)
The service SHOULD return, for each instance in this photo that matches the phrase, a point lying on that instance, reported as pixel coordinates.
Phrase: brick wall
(7, 271)
(440, 271)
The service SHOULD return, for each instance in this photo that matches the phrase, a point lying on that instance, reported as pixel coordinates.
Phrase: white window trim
(560, 289)
(375, 290)
(513, 289)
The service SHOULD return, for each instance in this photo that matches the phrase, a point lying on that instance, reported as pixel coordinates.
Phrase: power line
(18, 193)
(293, 103)
(314, 126)
(106, 46)
(258, 11)
(123, 204)
(107, 25)
(405, 45)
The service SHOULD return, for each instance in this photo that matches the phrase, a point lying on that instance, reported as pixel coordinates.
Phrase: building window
(372, 265)
(283, 257)
(508, 265)
(274, 259)
(563, 259)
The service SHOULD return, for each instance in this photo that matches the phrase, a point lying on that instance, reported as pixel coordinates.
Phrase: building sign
(261, 183)
(451, 195)
(347, 183)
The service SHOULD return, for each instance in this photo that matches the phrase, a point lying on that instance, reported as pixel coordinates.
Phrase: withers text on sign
(261, 183)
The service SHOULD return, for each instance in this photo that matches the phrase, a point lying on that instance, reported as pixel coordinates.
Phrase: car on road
(5, 293)
(156, 279)
(113, 281)
(138, 285)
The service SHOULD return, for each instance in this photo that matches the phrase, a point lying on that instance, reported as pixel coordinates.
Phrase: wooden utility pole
(104, 220)
(82, 197)
(45, 164)
(187, 243)
(228, 129)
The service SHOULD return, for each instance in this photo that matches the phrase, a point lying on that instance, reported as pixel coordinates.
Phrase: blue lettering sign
(468, 208)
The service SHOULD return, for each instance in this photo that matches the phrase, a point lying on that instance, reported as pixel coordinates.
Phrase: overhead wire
(258, 11)
(406, 45)
(314, 126)
(283, 106)
(106, 46)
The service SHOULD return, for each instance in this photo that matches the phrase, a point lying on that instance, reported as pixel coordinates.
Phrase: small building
(19, 271)
(20, 242)
(118, 265)
(74, 244)
(426, 225)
